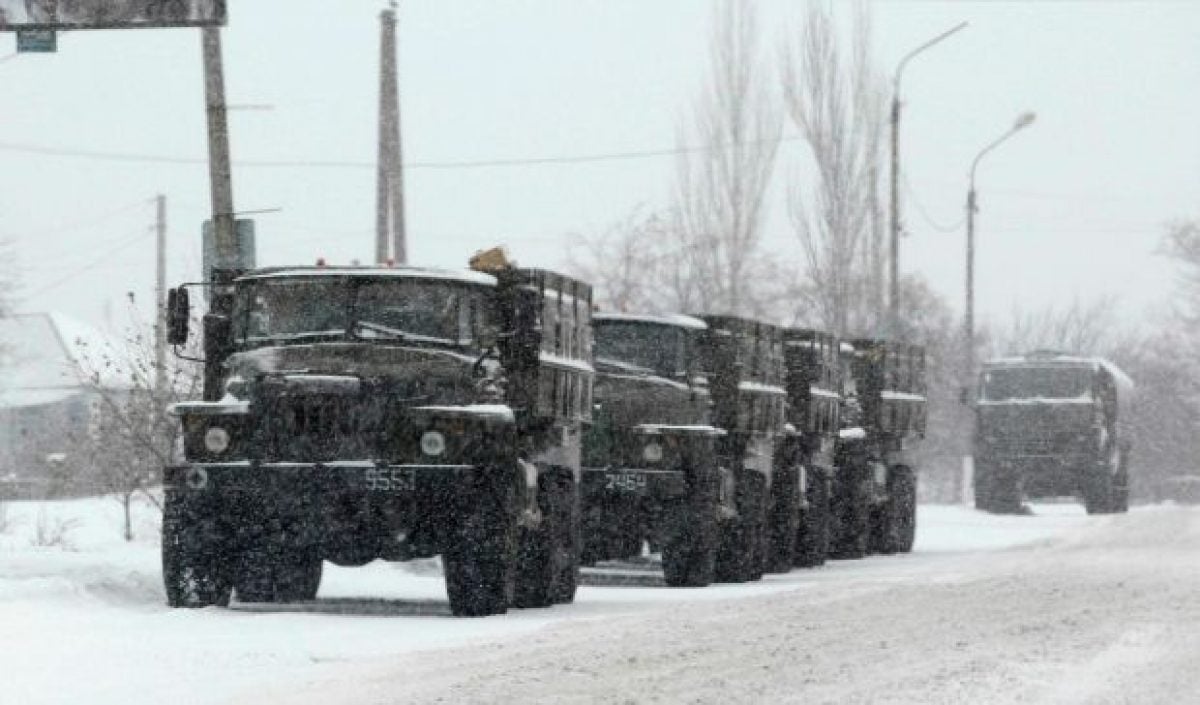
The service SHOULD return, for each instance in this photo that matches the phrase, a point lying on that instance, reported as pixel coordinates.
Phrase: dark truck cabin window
(413, 310)
(657, 348)
(1005, 384)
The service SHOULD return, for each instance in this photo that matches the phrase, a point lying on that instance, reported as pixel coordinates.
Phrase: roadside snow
(91, 606)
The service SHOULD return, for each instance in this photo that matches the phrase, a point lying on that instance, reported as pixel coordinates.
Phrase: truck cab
(1050, 424)
(356, 413)
(744, 363)
(814, 395)
(883, 418)
(649, 468)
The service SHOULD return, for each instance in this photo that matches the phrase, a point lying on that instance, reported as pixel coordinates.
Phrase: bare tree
(626, 262)
(131, 435)
(836, 100)
(720, 185)
(1088, 328)
(1182, 245)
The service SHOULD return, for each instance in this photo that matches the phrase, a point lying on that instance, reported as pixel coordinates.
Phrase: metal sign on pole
(37, 41)
(22, 15)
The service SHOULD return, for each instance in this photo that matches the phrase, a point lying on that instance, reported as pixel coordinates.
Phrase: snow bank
(92, 605)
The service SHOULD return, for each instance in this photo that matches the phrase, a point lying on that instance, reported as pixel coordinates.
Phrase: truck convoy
(717, 439)
(1050, 424)
(358, 413)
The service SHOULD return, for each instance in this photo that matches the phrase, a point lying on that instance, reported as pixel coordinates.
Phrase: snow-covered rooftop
(1064, 360)
(48, 357)
(465, 276)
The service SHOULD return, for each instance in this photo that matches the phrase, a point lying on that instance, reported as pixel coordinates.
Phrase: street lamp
(894, 250)
(1023, 120)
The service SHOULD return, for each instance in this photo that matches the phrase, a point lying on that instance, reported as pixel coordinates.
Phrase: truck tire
(1121, 486)
(480, 556)
(1099, 487)
(783, 519)
(568, 543)
(547, 557)
(896, 530)
(689, 552)
(194, 552)
(981, 484)
(851, 512)
(997, 492)
(812, 540)
(743, 541)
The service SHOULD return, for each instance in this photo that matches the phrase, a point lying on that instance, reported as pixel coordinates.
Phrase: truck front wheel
(548, 555)
(743, 540)
(899, 514)
(689, 553)
(812, 541)
(784, 522)
(194, 555)
(851, 510)
(1099, 487)
(480, 557)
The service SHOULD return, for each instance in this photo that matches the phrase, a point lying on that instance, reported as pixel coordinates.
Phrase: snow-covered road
(1057, 607)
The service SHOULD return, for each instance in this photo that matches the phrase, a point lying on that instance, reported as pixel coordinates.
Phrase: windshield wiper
(380, 331)
(334, 333)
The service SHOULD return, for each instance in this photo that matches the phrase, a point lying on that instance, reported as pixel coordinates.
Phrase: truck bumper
(1044, 476)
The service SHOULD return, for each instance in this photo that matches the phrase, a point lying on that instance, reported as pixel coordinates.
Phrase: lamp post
(1023, 120)
(894, 249)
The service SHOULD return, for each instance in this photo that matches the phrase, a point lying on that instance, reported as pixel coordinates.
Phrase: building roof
(48, 357)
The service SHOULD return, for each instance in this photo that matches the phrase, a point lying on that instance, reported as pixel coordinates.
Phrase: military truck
(814, 387)
(1051, 424)
(743, 361)
(883, 417)
(650, 472)
(358, 413)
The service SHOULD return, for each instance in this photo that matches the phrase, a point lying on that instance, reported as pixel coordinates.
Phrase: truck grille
(309, 428)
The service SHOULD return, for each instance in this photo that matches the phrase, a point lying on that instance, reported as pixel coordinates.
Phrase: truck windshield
(653, 347)
(1014, 383)
(304, 309)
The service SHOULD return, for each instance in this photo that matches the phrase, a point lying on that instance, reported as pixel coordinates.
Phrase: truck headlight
(433, 443)
(216, 440)
(652, 452)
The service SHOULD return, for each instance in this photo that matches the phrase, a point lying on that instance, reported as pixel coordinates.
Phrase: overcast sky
(1073, 206)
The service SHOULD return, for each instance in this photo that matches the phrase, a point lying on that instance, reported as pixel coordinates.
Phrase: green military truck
(883, 417)
(358, 413)
(650, 471)
(814, 385)
(1050, 424)
(744, 364)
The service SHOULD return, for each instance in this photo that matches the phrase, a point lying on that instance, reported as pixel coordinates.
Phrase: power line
(136, 239)
(929, 220)
(97, 155)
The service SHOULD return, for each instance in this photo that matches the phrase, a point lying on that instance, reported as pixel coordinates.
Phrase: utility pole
(160, 295)
(219, 170)
(389, 193)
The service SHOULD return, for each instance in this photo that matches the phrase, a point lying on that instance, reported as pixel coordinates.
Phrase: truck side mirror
(179, 312)
(964, 396)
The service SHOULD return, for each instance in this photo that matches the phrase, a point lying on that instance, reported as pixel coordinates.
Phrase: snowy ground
(1057, 607)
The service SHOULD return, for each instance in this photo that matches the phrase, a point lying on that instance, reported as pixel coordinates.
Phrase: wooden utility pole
(219, 169)
(389, 192)
(160, 295)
